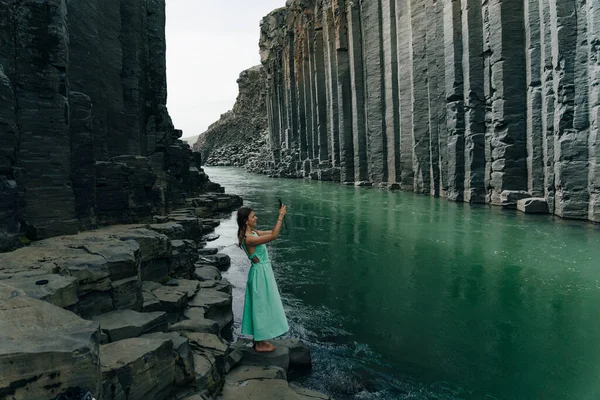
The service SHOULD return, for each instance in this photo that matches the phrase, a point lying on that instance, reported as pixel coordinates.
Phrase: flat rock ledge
(133, 312)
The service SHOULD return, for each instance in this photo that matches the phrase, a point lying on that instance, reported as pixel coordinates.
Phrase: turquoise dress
(263, 317)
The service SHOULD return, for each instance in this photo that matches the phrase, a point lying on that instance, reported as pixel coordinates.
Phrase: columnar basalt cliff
(86, 136)
(493, 101)
(238, 138)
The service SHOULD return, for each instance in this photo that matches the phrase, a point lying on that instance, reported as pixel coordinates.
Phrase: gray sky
(208, 44)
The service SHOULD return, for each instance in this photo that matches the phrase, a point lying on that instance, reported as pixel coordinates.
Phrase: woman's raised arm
(272, 235)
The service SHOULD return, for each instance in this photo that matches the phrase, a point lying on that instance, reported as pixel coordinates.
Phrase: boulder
(533, 205)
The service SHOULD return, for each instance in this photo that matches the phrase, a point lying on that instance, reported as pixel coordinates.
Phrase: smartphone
(280, 203)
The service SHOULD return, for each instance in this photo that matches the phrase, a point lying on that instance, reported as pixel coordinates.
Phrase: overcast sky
(208, 44)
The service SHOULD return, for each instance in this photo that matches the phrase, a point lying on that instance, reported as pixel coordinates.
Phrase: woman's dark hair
(242, 218)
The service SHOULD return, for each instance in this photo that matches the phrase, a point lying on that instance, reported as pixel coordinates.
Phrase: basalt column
(344, 88)
(294, 132)
(299, 61)
(405, 73)
(306, 88)
(391, 99)
(320, 90)
(35, 56)
(481, 101)
(313, 85)
(594, 76)
(571, 118)
(355, 53)
(331, 83)
(453, 51)
(547, 78)
(438, 137)
(472, 40)
(506, 92)
(374, 86)
(534, 127)
(420, 98)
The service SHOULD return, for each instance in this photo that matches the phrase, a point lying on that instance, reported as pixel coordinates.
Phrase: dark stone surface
(86, 136)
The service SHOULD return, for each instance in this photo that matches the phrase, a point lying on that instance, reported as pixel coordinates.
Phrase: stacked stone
(478, 102)
(134, 312)
(83, 93)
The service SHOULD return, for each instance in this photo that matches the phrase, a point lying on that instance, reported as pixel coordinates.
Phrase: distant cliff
(239, 137)
(490, 101)
(85, 133)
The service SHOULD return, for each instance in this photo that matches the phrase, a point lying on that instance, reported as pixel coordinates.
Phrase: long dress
(263, 317)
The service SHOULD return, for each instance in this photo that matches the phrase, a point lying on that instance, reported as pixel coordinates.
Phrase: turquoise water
(402, 296)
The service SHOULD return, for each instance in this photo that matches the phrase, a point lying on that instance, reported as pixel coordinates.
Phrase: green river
(402, 296)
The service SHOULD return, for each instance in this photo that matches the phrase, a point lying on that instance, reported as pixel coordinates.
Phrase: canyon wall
(238, 138)
(489, 101)
(85, 133)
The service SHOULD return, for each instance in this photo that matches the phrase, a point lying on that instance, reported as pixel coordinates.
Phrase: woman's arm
(262, 233)
(268, 237)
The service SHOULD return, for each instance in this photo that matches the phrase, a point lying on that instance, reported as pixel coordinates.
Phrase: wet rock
(208, 251)
(533, 205)
(271, 389)
(299, 353)
(307, 394)
(221, 261)
(510, 198)
(207, 273)
(247, 372)
(280, 357)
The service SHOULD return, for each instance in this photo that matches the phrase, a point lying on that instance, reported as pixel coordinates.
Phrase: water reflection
(406, 296)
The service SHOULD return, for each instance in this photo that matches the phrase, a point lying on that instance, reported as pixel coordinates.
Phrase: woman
(263, 317)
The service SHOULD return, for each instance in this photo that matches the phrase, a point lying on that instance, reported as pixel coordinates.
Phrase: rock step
(288, 353)
(184, 357)
(137, 369)
(207, 273)
(44, 349)
(125, 324)
(208, 251)
(219, 260)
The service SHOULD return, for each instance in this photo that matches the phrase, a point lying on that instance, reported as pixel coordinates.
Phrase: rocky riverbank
(137, 311)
